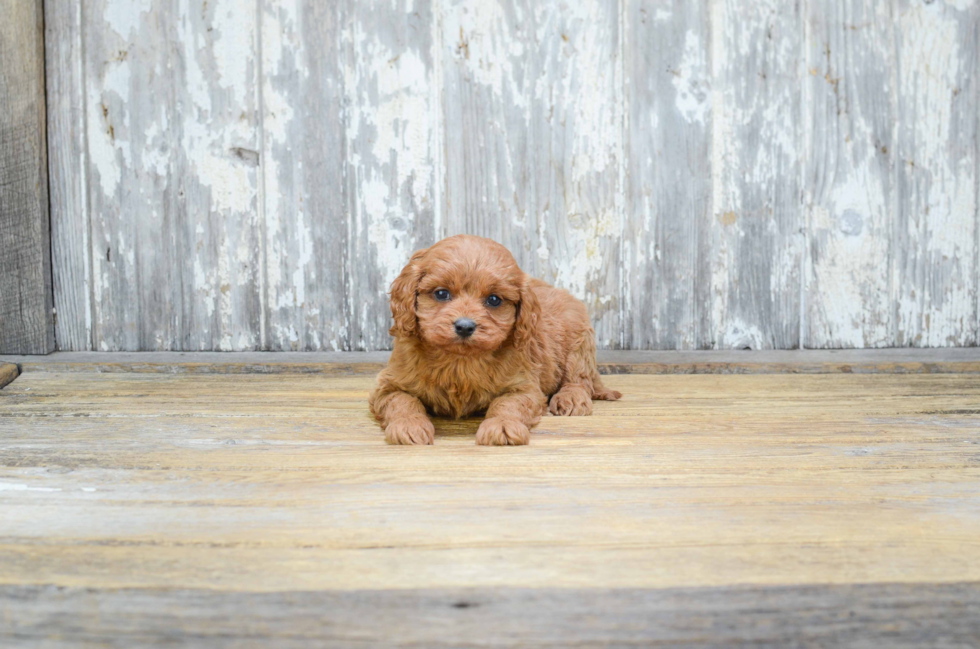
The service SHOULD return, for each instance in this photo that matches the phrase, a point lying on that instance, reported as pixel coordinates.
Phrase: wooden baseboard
(963, 360)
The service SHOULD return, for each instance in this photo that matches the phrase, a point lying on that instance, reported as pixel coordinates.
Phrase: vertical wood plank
(70, 247)
(173, 147)
(487, 74)
(216, 259)
(850, 128)
(934, 266)
(303, 152)
(131, 176)
(26, 317)
(391, 123)
(575, 94)
(534, 141)
(757, 242)
(669, 196)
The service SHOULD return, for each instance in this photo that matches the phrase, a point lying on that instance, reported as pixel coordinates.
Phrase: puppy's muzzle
(464, 327)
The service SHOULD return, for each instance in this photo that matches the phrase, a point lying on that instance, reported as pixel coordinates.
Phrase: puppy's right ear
(404, 291)
(526, 327)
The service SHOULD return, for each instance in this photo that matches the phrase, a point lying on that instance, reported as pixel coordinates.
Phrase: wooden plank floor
(714, 510)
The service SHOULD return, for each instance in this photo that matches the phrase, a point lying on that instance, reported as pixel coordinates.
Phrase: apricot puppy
(475, 334)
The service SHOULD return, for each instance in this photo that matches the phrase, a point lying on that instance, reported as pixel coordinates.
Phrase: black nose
(464, 327)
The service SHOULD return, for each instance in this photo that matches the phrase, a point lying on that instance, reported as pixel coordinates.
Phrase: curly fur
(536, 346)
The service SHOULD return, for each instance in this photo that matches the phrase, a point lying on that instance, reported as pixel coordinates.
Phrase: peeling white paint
(234, 50)
(469, 28)
(742, 335)
(852, 252)
(403, 96)
(107, 122)
(102, 154)
(723, 197)
(587, 260)
(304, 245)
(390, 245)
(690, 81)
(125, 17)
(541, 93)
(390, 124)
(942, 188)
(206, 141)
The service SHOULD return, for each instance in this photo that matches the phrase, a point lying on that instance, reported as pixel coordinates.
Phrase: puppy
(475, 334)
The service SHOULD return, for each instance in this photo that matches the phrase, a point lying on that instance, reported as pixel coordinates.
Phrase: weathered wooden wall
(26, 310)
(705, 174)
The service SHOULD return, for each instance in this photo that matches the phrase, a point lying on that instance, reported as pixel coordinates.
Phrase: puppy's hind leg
(601, 392)
(580, 382)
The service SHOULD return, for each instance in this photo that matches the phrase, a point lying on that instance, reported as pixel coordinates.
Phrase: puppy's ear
(526, 327)
(404, 291)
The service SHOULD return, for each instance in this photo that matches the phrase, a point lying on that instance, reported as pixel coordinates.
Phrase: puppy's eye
(441, 294)
(494, 300)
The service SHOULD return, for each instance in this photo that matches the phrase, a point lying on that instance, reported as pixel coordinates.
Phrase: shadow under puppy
(473, 333)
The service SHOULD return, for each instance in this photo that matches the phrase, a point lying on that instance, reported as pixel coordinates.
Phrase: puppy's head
(465, 295)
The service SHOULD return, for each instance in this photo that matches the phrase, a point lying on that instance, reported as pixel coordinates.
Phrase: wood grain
(215, 263)
(131, 170)
(669, 217)
(533, 138)
(305, 267)
(391, 129)
(937, 279)
(715, 175)
(26, 300)
(851, 171)
(690, 481)
(71, 247)
(173, 150)
(772, 506)
(756, 248)
(487, 61)
(893, 615)
(575, 158)
(898, 129)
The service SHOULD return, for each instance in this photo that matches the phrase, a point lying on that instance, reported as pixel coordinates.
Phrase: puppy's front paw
(497, 431)
(572, 403)
(415, 430)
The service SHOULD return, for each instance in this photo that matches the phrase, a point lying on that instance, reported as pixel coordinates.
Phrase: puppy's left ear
(529, 312)
(404, 291)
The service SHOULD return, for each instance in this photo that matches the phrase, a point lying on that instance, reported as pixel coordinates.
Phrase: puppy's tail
(589, 367)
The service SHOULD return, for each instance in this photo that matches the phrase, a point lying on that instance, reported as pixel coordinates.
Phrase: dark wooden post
(26, 300)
